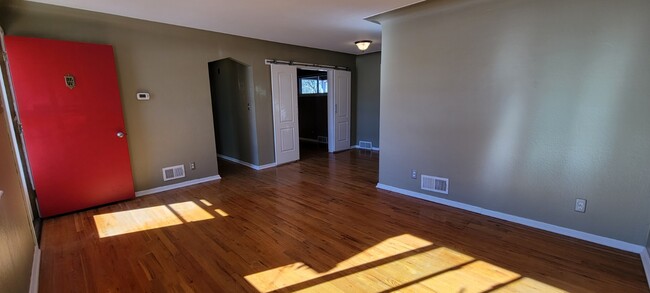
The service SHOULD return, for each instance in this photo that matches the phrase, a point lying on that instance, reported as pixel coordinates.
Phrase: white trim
(36, 270)
(520, 220)
(177, 185)
(645, 259)
(6, 88)
(247, 164)
(356, 146)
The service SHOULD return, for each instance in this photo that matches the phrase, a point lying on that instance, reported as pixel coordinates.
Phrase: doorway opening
(286, 122)
(233, 111)
(312, 110)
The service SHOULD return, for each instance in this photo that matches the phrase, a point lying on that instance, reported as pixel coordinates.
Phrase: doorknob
(121, 134)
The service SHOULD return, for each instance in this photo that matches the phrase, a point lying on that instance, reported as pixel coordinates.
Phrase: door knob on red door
(121, 134)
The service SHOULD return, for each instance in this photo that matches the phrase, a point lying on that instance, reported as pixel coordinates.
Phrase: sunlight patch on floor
(299, 272)
(119, 223)
(221, 212)
(136, 220)
(404, 263)
(190, 211)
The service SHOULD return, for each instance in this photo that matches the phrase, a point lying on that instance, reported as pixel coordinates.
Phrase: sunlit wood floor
(315, 225)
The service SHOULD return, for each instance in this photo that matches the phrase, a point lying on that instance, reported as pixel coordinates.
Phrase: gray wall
(525, 106)
(367, 103)
(231, 88)
(170, 62)
(16, 240)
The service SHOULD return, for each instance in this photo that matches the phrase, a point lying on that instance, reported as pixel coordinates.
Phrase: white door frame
(331, 106)
(5, 90)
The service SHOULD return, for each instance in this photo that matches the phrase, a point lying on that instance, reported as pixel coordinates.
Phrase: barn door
(69, 102)
(339, 117)
(285, 113)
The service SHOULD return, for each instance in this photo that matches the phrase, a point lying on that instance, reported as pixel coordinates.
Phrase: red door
(69, 104)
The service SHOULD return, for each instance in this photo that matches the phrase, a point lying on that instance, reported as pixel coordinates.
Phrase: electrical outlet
(193, 166)
(414, 174)
(581, 205)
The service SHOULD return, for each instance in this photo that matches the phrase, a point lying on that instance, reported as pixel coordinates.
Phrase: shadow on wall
(233, 109)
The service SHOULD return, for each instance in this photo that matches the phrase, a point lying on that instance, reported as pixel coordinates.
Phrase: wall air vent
(174, 172)
(366, 145)
(435, 184)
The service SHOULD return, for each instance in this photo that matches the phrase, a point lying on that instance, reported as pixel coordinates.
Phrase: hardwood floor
(315, 225)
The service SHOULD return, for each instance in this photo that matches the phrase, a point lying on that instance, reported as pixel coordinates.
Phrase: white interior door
(339, 128)
(284, 87)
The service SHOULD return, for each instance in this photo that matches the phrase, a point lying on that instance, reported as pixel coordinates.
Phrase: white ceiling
(325, 24)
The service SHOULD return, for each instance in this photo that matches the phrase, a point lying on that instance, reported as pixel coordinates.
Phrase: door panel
(341, 90)
(77, 159)
(287, 140)
(285, 113)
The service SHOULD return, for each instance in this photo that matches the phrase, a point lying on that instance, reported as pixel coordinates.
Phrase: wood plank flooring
(316, 225)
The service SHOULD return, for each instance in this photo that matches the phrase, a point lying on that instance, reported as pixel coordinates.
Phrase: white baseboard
(645, 259)
(177, 185)
(36, 271)
(247, 164)
(520, 220)
(357, 147)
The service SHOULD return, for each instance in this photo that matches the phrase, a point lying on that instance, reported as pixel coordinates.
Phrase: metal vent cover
(367, 145)
(174, 172)
(435, 184)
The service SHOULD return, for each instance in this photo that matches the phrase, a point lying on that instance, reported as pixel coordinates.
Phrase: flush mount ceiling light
(363, 44)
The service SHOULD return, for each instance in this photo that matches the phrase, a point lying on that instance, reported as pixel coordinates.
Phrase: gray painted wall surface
(367, 104)
(16, 240)
(231, 88)
(525, 106)
(170, 62)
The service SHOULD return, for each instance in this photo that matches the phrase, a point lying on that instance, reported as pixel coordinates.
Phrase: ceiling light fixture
(363, 45)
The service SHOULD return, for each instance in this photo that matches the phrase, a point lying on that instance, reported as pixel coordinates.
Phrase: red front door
(69, 104)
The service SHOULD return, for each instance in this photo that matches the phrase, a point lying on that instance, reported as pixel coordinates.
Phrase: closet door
(340, 92)
(69, 103)
(284, 88)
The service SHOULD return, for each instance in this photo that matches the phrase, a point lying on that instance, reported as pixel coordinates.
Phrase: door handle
(121, 134)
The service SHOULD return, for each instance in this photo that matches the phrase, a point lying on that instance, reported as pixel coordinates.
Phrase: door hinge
(4, 57)
(19, 126)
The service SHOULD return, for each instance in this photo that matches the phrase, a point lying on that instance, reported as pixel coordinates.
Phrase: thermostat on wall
(143, 96)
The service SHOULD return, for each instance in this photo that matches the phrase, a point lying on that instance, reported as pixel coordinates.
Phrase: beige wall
(16, 240)
(170, 62)
(367, 103)
(525, 106)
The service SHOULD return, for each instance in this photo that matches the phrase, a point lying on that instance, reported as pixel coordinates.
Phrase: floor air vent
(174, 172)
(366, 145)
(435, 184)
